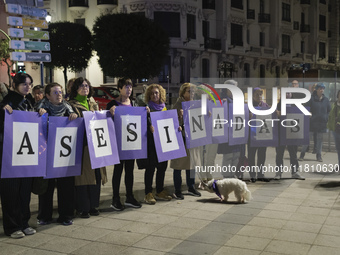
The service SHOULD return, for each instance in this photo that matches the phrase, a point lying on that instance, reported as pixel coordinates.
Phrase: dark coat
(320, 110)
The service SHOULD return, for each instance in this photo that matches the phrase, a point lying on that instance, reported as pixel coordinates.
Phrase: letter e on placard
(131, 132)
(167, 135)
(65, 146)
(100, 138)
(25, 144)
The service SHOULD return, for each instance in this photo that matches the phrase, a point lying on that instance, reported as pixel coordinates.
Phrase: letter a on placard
(65, 146)
(100, 138)
(167, 135)
(25, 144)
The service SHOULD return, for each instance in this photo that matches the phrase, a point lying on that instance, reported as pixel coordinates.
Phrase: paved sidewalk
(285, 217)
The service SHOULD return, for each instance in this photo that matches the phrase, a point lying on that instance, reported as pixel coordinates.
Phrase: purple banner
(298, 135)
(65, 147)
(101, 139)
(264, 131)
(197, 126)
(25, 145)
(168, 139)
(131, 131)
(238, 126)
(219, 125)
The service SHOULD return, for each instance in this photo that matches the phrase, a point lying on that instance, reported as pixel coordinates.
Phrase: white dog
(223, 188)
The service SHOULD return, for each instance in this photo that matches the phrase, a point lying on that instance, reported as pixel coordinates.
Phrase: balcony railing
(212, 43)
(331, 59)
(304, 28)
(208, 4)
(111, 2)
(285, 50)
(250, 14)
(323, 2)
(305, 2)
(78, 3)
(264, 18)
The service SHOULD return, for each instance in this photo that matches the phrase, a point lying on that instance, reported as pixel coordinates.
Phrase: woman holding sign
(186, 93)
(125, 91)
(54, 105)
(16, 192)
(88, 183)
(155, 97)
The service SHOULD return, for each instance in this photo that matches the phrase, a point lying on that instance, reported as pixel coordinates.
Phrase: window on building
(262, 74)
(302, 18)
(166, 71)
(248, 36)
(286, 12)
(182, 73)
(237, 4)
(170, 22)
(191, 26)
(302, 47)
(206, 28)
(322, 22)
(277, 75)
(322, 50)
(285, 44)
(261, 6)
(80, 21)
(246, 68)
(205, 68)
(236, 32)
(262, 39)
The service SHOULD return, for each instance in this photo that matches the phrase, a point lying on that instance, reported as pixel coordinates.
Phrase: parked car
(104, 95)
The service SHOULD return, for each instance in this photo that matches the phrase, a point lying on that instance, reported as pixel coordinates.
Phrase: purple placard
(219, 131)
(168, 139)
(197, 126)
(131, 131)
(238, 133)
(298, 135)
(264, 133)
(101, 139)
(65, 147)
(25, 145)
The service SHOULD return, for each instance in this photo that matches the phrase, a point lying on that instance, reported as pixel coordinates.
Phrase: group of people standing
(82, 193)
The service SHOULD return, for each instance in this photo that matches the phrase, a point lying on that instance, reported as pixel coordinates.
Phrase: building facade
(270, 41)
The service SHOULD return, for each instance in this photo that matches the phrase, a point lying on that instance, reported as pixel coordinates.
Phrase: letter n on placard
(25, 144)
(167, 135)
(131, 132)
(100, 138)
(65, 146)
(197, 124)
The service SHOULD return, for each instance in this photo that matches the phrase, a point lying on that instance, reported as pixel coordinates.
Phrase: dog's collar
(214, 185)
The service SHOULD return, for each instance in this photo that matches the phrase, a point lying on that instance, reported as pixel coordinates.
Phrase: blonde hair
(184, 87)
(162, 93)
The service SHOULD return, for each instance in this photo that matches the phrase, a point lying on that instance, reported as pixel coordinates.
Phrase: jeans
(190, 179)
(261, 158)
(292, 149)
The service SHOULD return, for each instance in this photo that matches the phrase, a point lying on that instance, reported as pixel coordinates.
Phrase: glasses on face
(295, 83)
(57, 93)
(84, 86)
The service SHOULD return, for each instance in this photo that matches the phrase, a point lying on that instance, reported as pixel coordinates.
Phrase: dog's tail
(247, 195)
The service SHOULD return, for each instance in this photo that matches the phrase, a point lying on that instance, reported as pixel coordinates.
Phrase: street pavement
(286, 216)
